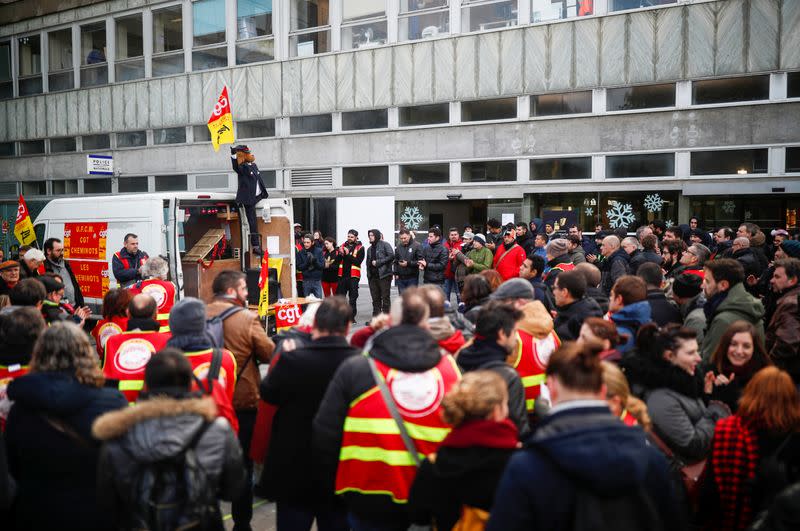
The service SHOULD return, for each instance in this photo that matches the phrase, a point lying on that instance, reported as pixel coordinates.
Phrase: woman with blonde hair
(765, 428)
(629, 409)
(465, 471)
(51, 452)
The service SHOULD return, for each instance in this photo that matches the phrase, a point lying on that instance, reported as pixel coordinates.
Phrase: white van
(170, 224)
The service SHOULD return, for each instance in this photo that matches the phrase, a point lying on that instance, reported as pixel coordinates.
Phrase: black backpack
(214, 327)
(176, 493)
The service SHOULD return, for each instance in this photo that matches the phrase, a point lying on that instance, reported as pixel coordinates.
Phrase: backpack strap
(213, 369)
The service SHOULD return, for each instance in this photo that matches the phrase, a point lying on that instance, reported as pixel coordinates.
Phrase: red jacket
(448, 270)
(507, 263)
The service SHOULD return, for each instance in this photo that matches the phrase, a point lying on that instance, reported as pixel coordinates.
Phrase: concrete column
(336, 174)
(392, 23)
(683, 94)
(599, 101)
(778, 86)
(393, 115)
(188, 33)
(523, 12)
(231, 32)
(76, 55)
(15, 65)
(45, 58)
(523, 170)
(111, 46)
(336, 122)
(335, 22)
(684, 208)
(147, 41)
(600, 7)
(394, 175)
(455, 17)
(683, 164)
(777, 161)
(455, 112)
(455, 173)
(523, 107)
(599, 168)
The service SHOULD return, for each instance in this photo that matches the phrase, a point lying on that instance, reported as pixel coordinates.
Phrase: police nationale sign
(99, 165)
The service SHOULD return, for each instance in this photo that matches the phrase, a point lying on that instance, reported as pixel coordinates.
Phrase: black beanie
(687, 285)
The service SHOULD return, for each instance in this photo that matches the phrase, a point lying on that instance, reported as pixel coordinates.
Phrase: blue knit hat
(791, 248)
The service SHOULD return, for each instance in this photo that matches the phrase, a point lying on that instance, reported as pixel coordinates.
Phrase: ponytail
(577, 367)
(653, 341)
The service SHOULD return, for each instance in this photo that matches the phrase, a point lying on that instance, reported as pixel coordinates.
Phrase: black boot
(255, 244)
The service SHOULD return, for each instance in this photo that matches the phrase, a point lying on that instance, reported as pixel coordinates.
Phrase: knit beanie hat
(557, 247)
(468, 236)
(687, 285)
(791, 248)
(480, 238)
(188, 318)
(514, 288)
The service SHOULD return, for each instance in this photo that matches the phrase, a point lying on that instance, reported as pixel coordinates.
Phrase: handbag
(690, 473)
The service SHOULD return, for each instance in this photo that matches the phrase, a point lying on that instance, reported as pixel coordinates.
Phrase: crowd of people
(520, 379)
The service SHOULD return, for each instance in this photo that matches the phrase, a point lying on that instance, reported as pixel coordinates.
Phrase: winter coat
(383, 254)
(449, 270)
(487, 354)
(406, 348)
(471, 312)
(65, 270)
(749, 262)
(250, 189)
(662, 310)
(738, 305)
(296, 385)
(783, 333)
(410, 253)
(482, 259)
(577, 256)
(247, 340)
(507, 263)
(527, 242)
(694, 317)
(722, 250)
(552, 271)
(569, 319)
(155, 430)
(330, 265)
(628, 320)
(612, 268)
(642, 257)
(310, 262)
(458, 264)
(599, 297)
(436, 257)
(127, 274)
(588, 245)
(354, 257)
(582, 447)
(54, 467)
(464, 471)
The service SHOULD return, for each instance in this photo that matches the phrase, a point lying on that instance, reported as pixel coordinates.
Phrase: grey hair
(156, 267)
(65, 347)
(632, 241)
(701, 252)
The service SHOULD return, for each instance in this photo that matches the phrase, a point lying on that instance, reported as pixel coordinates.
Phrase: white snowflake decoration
(411, 217)
(748, 214)
(653, 203)
(669, 223)
(589, 211)
(621, 215)
(728, 207)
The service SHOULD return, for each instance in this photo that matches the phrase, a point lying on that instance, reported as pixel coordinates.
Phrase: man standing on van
(250, 191)
(127, 261)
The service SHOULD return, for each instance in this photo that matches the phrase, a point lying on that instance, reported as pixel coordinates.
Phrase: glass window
(488, 171)
(793, 85)
(648, 165)
(308, 44)
(8, 188)
(210, 58)
(253, 18)
(729, 162)
(306, 14)
(438, 113)
(130, 48)
(127, 185)
(367, 35)
(732, 89)
(793, 159)
(208, 18)
(34, 187)
(426, 24)
(65, 186)
(201, 133)
(61, 76)
(361, 9)
(485, 16)
(641, 97)
(304, 125)
(255, 51)
(131, 139)
(256, 129)
(6, 149)
(91, 142)
(97, 186)
(269, 177)
(211, 182)
(544, 10)
(166, 65)
(31, 147)
(170, 183)
(30, 65)
(425, 174)
(479, 110)
(365, 176)
(93, 55)
(561, 168)
(167, 37)
(62, 145)
(6, 84)
(555, 104)
(365, 120)
(619, 5)
(172, 135)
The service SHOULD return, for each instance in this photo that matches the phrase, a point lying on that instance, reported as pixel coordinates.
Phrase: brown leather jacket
(783, 334)
(245, 337)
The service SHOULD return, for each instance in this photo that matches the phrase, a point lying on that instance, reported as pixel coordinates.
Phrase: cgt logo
(288, 315)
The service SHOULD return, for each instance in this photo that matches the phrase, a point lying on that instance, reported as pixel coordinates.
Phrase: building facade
(609, 111)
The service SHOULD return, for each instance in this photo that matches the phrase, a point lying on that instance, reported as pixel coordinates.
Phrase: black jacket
(570, 318)
(330, 269)
(527, 242)
(48, 266)
(436, 257)
(49, 464)
(246, 192)
(749, 261)
(353, 257)
(406, 348)
(383, 254)
(662, 310)
(642, 257)
(410, 253)
(310, 262)
(296, 384)
(125, 266)
(613, 268)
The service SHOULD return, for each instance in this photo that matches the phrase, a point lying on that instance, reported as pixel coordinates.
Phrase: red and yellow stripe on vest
(531, 362)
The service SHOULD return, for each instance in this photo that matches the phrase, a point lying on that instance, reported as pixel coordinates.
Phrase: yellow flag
(221, 121)
(23, 227)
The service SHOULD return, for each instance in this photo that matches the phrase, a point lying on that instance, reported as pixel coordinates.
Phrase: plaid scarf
(734, 457)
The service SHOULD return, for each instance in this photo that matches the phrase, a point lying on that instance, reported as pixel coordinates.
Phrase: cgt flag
(23, 227)
(220, 124)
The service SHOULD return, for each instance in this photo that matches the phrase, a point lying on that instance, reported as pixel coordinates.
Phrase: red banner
(85, 241)
(287, 316)
(93, 277)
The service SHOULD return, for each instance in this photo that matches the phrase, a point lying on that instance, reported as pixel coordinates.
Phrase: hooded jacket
(628, 320)
(436, 257)
(383, 254)
(155, 430)
(569, 319)
(406, 348)
(749, 261)
(527, 242)
(580, 447)
(738, 305)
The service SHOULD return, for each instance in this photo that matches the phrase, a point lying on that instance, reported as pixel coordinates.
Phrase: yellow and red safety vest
(162, 291)
(106, 328)
(126, 356)
(298, 275)
(201, 361)
(531, 362)
(565, 266)
(355, 270)
(373, 458)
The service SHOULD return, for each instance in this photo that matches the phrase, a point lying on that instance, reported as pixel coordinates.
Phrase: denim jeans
(293, 517)
(405, 283)
(312, 287)
(450, 286)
